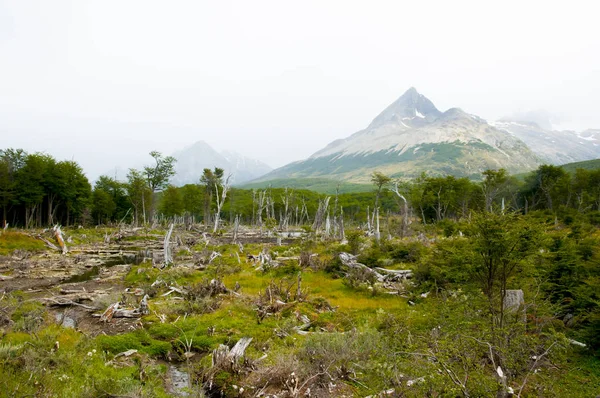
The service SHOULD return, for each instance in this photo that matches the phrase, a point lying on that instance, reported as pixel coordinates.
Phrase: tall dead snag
(341, 230)
(236, 228)
(404, 209)
(377, 233)
(303, 213)
(167, 247)
(284, 218)
(59, 239)
(220, 201)
(380, 180)
(320, 215)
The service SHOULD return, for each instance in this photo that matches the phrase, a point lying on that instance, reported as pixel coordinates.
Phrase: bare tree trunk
(377, 233)
(144, 207)
(236, 227)
(220, 201)
(167, 247)
(321, 212)
(405, 210)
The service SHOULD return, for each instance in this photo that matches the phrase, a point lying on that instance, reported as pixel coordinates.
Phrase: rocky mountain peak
(410, 109)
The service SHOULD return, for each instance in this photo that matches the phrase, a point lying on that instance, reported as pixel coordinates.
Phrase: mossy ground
(366, 340)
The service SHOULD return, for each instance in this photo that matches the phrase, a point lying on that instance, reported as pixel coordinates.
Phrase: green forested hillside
(586, 165)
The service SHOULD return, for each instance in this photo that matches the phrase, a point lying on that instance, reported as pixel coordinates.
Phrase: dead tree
(236, 227)
(284, 218)
(304, 213)
(404, 209)
(376, 216)
(320, 215)
(220, 201)
(167, 248)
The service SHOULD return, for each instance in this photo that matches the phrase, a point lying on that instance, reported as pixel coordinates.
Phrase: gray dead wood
(395, 274)
(349, 261)
(167, 248)
(226, 358)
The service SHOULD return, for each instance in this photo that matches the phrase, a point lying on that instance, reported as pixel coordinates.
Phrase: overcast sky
(104, 82)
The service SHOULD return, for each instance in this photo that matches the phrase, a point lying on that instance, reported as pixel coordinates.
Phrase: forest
(437, 286)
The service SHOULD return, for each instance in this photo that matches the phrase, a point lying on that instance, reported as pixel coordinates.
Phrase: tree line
(37, 190)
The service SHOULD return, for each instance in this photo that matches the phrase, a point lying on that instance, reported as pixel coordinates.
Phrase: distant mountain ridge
(191, 162)
(552, 146)
(412, 136)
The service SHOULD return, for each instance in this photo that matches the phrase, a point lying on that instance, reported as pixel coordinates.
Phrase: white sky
(104, 82)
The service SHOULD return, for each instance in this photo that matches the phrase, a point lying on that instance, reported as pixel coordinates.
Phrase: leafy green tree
(11, 160)
(118, 193)
(192, 196)
(494, 182)
(30, 186)
(172, 202)
(380, 181)
(104, 206)
(503, 243)
(159, 174)
(6, 188)
(211, 180)
(74, 189)
(139, 194)
(547, 185)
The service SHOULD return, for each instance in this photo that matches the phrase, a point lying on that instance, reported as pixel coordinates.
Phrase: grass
(358, 340)
(11, 241)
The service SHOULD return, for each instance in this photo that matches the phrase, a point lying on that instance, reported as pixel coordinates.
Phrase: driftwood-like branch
(395, 274)
(381, 274)
(61, 302)
(59, 238)
(114, 311)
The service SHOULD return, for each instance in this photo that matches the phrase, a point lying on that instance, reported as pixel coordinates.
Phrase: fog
(105, 82)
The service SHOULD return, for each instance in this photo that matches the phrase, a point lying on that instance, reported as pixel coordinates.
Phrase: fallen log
(52, 302)
(349, 261)
(114, 311)
(395, 274)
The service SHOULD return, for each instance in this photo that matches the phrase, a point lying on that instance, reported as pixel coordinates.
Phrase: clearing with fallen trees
(178, 310)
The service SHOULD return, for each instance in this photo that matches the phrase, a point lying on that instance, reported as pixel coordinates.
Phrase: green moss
(11, 241)
(139, 340)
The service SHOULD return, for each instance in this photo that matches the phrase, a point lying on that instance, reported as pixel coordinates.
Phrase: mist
(104, 83)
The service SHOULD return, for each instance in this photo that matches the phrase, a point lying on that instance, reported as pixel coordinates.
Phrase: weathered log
(109, 313)
(52, 302)
(395, 274)
(350, 261)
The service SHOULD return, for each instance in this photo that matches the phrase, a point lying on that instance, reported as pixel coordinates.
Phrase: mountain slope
(555, 147)
(192, 160)
(412, 136)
